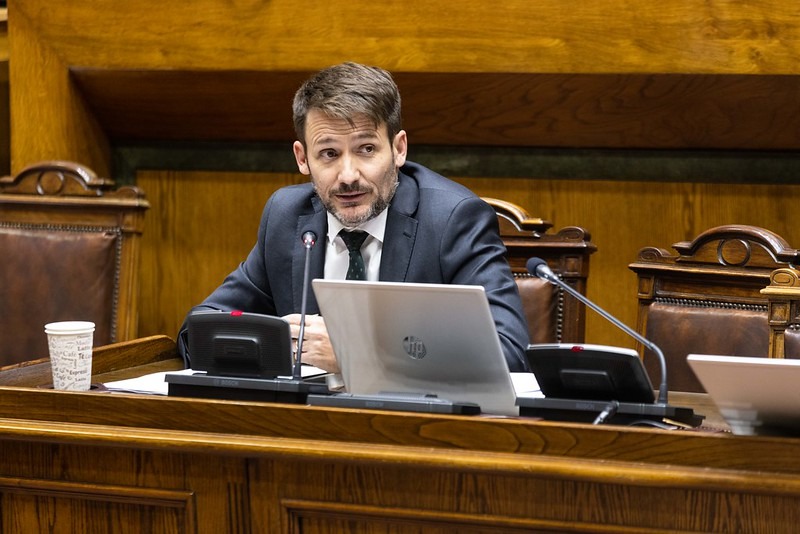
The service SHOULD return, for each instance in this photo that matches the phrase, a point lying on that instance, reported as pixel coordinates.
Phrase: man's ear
(400, 145)
(300, 157)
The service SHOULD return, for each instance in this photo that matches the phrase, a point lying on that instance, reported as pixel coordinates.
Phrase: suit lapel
(401, 232)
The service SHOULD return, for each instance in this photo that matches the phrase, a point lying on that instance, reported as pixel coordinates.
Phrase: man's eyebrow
(361, 136)
(368, 135)
(324, 140)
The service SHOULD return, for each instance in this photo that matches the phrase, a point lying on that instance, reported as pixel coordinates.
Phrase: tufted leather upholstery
(791, 341)
(552, 316)
(70, 249)
(707, 298)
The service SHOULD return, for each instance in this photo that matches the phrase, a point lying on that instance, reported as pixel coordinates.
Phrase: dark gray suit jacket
(437, 231)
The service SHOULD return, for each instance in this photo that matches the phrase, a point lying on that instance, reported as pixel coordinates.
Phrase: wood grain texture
(98, 462)
(263, 490)
(70, 503)
(718, 74)
(487, 109)
(552, 36)
(208, 426)
(200, 228)
(50, 120)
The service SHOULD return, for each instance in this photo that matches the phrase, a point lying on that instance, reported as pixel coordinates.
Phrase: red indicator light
(576, 348)
(236, 313)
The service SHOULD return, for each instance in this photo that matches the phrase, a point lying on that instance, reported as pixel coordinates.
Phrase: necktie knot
(354, 239)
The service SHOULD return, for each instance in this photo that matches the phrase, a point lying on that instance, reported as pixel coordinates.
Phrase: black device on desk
(589, 372)
(595, 384)
(239, 344)
(241, 356)
(611, 389)
(247, 356)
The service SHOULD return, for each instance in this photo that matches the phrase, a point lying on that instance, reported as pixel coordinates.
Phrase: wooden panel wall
(202, 224)
(558, 72)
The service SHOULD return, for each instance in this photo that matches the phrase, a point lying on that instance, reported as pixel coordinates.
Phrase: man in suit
(421, 227)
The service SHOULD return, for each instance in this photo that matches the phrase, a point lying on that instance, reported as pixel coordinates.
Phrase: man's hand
(317, 349)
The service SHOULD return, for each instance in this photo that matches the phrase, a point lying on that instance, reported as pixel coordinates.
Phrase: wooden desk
(101, 462)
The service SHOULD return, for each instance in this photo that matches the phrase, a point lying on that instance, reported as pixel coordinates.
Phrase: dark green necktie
(354, 239)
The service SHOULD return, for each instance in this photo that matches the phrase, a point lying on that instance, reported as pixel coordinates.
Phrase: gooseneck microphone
(539, 268)
(309, 239)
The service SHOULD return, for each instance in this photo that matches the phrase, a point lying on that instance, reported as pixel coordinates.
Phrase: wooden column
(783, 293)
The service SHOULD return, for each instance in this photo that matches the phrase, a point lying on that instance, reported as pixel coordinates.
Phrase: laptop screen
(756, 396)
(430, 339)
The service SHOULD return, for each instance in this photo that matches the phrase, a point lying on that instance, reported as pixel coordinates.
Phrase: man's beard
(373, 210)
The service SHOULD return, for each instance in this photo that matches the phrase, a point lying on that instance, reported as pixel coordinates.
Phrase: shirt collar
(376, 227)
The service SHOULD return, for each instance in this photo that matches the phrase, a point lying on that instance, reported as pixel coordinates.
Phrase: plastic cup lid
(69, 327)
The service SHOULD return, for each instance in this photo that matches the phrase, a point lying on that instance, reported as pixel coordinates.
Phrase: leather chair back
(552, 315)
(707, 298)
(70, 245)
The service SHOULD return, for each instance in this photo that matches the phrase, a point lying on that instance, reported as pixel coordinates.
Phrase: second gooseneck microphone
(539, 268)
(309, 239)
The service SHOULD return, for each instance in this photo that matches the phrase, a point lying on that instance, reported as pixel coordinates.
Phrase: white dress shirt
(337, 257)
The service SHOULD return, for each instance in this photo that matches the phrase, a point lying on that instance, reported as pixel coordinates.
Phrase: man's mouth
(351, 196)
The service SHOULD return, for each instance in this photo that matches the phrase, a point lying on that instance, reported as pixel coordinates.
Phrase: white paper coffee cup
(70, 344)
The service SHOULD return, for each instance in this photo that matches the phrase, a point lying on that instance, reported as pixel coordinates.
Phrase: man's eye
(328, 154)
(368, 149)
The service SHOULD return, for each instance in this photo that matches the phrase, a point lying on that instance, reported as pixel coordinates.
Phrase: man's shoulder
(427, 179)
(293, 197)
(305, 189)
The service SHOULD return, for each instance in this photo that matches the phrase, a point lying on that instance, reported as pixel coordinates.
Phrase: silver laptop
(756, 396)
(424, 339)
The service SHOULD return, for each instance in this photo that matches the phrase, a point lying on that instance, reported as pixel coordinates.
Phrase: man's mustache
(349, 188)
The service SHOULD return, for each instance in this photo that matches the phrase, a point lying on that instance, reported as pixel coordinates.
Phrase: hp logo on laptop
(414, 347)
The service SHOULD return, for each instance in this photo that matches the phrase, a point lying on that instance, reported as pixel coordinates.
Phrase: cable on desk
(608, 412)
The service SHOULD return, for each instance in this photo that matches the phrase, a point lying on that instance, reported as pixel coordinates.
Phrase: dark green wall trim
(586, 164)
(127, 159)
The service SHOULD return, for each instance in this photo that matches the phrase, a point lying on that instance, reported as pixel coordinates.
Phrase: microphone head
(539, 268)
(309, 238)
(534, 266)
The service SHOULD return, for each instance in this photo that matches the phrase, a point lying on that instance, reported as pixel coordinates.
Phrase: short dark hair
(345, 91)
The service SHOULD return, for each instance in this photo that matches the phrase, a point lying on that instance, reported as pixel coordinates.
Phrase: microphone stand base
(283, 390)
(586, 411)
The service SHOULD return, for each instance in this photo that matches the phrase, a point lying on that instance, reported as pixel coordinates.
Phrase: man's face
(353, 168)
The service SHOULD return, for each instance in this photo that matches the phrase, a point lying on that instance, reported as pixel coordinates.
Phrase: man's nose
(349, 170)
